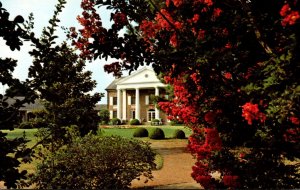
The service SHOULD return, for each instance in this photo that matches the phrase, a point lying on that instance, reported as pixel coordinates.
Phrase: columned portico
(119, 103)
(124, 106)
(156, 109)
(137, 104)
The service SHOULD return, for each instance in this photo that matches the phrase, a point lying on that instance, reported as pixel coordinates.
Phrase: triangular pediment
(145, 75)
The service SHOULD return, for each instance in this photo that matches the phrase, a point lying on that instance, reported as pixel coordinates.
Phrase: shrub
(175, 122)
(154, 121)
(104, 116)
(134, 122)
(26, 125)
(95, 162)
(39, 123)
(140, 132)
(157, 133)
(115, 121)
(179, 134)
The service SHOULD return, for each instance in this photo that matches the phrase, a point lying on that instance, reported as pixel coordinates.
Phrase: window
(132, 114)
(115, 100)
(151, 99)
(151, 115)
(133, 100)
(115, 114)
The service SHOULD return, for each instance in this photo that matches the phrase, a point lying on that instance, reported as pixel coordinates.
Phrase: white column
(156, 109)
(137, 104)
(124, 105)
(119, 104)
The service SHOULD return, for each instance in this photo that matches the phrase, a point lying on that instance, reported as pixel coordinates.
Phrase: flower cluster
(203, 151)
(290, 17)
(120, 19)
(251, 112)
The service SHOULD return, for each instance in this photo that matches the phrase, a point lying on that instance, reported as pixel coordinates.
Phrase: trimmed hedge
(155, 121)
(157, 133)
(134, 122)
(179, 134)
(115, 121)
(140, 132)
(26, 125)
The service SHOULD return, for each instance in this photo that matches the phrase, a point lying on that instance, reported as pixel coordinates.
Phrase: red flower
(251, 112)
(285, 10)
(120, 19)
(195, 18)
(230, 181)
(228, 45)
(295, 120)
(242, 155)
(173, 40)
(227, 75)
(177, 3)
(217, 12)
(212, 139)
(201, 34)
(210, 117)
(204, 180)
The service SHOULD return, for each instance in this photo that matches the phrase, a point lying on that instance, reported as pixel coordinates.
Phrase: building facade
(131, 97)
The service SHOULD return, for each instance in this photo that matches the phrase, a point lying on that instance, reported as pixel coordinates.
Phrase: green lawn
(124, 132)
(29, 135)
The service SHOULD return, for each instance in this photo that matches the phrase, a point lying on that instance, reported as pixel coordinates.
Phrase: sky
(43, 11)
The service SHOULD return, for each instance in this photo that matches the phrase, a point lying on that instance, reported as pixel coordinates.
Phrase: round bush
(94, 162)
(115, 121)
(26, 125)
(39, 123)
(157, 133)
(140, 132)
(179, 134)
(154, 121)
(134, 122)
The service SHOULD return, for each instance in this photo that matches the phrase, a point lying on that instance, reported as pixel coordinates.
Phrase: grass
(17, 133)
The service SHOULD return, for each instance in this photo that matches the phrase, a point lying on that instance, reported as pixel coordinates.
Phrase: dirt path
(177, 168)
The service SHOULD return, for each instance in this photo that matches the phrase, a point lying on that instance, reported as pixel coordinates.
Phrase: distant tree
(11, 150)
(104, 116)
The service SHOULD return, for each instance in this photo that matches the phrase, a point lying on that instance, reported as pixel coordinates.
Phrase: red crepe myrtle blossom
(251, 112)
(230, 181)
(290, 17)
(210, 117)
(120, 19)
(285, 10)
(228, 75)
(295, 120)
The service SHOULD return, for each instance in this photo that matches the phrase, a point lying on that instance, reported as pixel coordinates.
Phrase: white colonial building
(131, 97)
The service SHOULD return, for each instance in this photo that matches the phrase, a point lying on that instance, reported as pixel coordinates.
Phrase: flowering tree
(233, 69)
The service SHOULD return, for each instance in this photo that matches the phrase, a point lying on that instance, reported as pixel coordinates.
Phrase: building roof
(113, 84)
(38, 104)
(143, 78)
